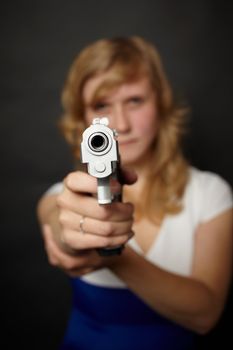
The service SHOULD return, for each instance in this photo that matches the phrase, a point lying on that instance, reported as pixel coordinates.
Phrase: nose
(119, 120)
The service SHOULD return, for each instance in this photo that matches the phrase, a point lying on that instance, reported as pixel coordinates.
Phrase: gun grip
(110, 251)
(104, 197)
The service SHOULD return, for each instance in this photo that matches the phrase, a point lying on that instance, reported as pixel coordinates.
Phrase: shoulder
(208, 181)
(210, 192)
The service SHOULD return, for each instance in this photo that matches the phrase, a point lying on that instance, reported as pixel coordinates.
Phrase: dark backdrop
(38, 41)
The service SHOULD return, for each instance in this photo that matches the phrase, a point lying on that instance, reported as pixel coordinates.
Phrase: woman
(172, 278)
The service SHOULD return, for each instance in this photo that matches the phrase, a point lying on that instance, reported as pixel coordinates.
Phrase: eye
(100, 106)
(135, 100)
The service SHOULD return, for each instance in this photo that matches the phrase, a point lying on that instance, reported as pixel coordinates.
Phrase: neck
(142, 165)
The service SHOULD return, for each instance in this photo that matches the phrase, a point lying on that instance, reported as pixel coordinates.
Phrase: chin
(129, 161)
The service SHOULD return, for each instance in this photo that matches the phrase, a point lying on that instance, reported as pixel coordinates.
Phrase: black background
(38, 41)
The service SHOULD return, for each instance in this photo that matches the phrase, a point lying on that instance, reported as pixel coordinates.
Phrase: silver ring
(81, 222)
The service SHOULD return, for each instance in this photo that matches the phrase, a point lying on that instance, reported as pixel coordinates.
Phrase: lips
(126, 142)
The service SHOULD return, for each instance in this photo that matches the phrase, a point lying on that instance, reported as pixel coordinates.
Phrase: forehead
(93, 85)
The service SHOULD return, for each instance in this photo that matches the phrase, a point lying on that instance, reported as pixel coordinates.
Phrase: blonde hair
(128, 59)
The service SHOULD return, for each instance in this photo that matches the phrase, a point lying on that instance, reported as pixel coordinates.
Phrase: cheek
(146, 123)
(88, 117)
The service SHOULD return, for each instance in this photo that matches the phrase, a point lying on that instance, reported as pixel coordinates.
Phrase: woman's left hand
(77, 264)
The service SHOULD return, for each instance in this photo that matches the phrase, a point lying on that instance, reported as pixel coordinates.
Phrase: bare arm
(194, 302)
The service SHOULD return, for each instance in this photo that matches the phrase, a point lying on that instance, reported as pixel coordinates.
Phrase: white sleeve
(54, 189)
(216, 197)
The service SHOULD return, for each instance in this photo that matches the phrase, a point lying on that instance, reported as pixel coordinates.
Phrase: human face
(132, 111)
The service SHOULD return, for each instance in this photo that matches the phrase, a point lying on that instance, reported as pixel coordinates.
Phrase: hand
(103, 225)
(109, 225)
(75, 264)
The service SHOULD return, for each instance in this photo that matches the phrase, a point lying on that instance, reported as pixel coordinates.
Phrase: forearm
(183, 300)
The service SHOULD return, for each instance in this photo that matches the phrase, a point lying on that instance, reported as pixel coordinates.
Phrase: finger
(71, 220)
(79, 240)
(79, 181)
(92, 263)
(88, 206)
(82, 182)
(57, 257)
(81, 271)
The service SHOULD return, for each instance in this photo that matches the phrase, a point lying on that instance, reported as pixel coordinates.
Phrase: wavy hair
(128, 59)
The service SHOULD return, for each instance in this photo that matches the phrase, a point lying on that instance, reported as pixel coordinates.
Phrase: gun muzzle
(98, 142)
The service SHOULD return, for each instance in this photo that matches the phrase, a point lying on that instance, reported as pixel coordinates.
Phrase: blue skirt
(104, 318)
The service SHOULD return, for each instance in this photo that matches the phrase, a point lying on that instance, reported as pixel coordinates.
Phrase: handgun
(99, 150)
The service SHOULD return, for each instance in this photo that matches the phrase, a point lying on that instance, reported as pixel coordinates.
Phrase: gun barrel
(98, 142)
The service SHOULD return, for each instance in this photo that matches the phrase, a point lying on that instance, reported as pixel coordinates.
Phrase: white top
(206, 196)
